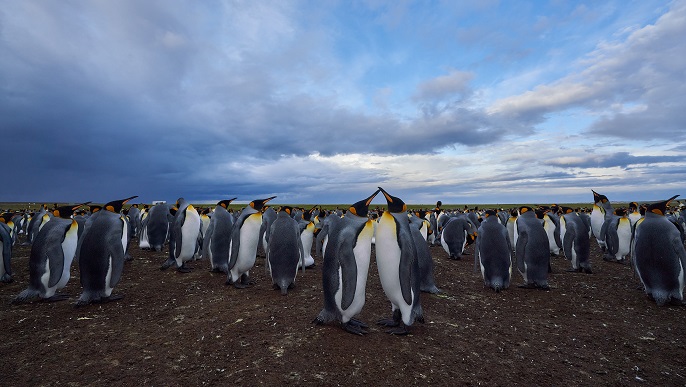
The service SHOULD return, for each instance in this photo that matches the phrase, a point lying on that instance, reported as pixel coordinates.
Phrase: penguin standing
(493, 252)
(284, 251)
(602, 210)
(134, 215)
(531, 250)
(347, 255)
(396, 259)
(552, 230)
(268, 216)
(659, 255)
(427, 282)
(157, 226)
(52, 253)
(217, 243)
(102, 251)
(184, 236)
(576, 242)
(5, 251)
(511, 233)
(245, 235)
(34, 224)
(618, 237)
(143, 241)
(307, 228)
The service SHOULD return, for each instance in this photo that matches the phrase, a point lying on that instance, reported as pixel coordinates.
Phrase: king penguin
(307, 228)
(618, 237)
(602, 210)
(245, 235)
(347, 254)
(157, 226)
(396, 259)
(659, 255)
(5, 251)
(52, 253)
(102, 252)
(531, 250)
(576, 242)
(493, 252)
(285, 250)
(183, 241)
(217, 243)
(456, 234)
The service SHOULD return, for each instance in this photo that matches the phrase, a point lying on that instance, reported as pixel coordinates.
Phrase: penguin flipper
(520, 248)
(235, 241)
(570, 235)
(408, 256)
(178, 223)
(348, 277)
(6, 255)
(55, 257)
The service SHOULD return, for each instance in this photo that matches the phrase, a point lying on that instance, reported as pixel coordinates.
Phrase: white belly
(624, 236)
(362, 252)
(250, 235)
(69, 249)
(189, 235)
(388, 263)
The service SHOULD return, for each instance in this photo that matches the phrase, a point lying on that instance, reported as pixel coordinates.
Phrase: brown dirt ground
(191, 329)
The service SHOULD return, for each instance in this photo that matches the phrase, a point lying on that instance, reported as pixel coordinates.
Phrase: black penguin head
(660, 208)
(6, 217)
(489, 213)
(286, 209)
(540, 213)
(620, 211)
(116, 206)
(307, 215)
(598, 198)
(633, 206)
(322, 214)
(439, 204)
(95, 208)
(420, 214)
(395, 204)
(361, 208)
(566, 210)
(65, 212)
(513, 212)
(524, 209)
(259, 203)
(225, 203)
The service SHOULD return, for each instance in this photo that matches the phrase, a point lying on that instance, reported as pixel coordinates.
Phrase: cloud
(619, 159)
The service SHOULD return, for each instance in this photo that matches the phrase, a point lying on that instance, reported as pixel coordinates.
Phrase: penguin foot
(111, 298)
(354, 329)
(455, 257)
(587, 270)
(167, 264)
(184, 269)
(401, 330)
(56, 297)
(358, 323)
(7, 279)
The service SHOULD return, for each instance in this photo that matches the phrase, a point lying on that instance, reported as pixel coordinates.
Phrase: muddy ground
(191, 329)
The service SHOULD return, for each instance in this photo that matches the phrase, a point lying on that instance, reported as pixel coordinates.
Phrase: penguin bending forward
(102, 252)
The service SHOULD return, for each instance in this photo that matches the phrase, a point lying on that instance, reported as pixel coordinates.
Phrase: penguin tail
(661, 297)
(25, 296)
(497, 285)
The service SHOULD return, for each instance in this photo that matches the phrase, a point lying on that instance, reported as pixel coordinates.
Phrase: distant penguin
(205, 219)
(284, 250)
(134, 215)
(659, 255)
(618, 235)
(602, 210)
(143, 241)
(5, 251)
(307, 227)
(511, 221)
(532, 252)
(52, 253)
(455, 236)
(268, 216)
(551, 227)
(37, 220)
(396, 259)
(217, 243)
(493, 252)
(634, 213)
(245, 235)
(102, 252)
(345, 267)
(158, 225)
(576, 242)
(183, 241)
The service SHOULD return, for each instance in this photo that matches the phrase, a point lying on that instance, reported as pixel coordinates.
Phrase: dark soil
(191, 329)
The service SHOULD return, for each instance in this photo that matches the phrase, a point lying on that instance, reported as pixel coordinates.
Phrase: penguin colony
(650, 237)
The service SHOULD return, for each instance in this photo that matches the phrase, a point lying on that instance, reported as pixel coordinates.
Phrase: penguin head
(95, 208)
(660, 208)
(566, 210)
(439, 204)
(6, 217)
(322, 214)
(420, 213)
(286, 209)
(633, 206)
(598, 198)
(307, 215)
(395, 204)
(525, 209)
(225, 203)
(620, 211)
(116, 205)
(65, 212)
(257, 204)
(489, 213)
(361, 208)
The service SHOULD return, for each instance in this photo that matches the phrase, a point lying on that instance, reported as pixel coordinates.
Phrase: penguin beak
(80, 205)
(126, 200)
(369, 199)
(388, 197)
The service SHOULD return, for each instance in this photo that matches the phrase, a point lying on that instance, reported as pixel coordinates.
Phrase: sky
(320, 102)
